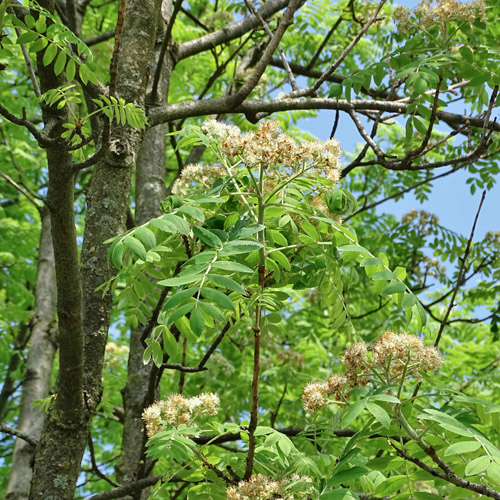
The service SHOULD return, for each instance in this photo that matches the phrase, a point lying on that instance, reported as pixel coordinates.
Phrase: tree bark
(141, 389)
(59, 453)
(38, 369)
(83, 331)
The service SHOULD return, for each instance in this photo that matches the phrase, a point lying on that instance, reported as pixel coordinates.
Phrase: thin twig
(42, 139)
(399, 193)
(261, 66)
(461, 273)
(215, 344)
(124, 490)
(448, 474)
(183, 369)
(11, 181)
(182, 377)
(6, 429)
(99, 38)
(312, 90)
(113, 67)
(163, 50)
(29, 65)
(95, 467)
(195, 20)
(315, 57)
(274, 413)
(256, 13)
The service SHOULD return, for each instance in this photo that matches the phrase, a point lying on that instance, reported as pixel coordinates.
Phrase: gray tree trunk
(38, 369)
(83, 331)
(141, 389)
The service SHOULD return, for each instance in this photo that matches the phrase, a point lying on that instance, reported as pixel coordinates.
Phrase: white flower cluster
(197, 172)
(178, 409)
(442, 12)
(390, 356)
(266, 148)
(261, 487)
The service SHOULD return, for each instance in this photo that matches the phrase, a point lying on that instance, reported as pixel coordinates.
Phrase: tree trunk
(38, 370)
(141, 389)
(79, 387)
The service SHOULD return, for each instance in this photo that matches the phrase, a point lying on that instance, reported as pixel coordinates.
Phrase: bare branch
(399, 193)
(13, 183)
(124, 490)
(311, 91)
(95, 468)
(6, 429)
(183, 369)
(29, 65)
(256, 109)
(41, 138)
(99, 38)
(315, 57)
(163, 50)
(348, 49)
(255, 12)
(215, 344)
(71, 7)
(448, 474)
(236, 30)
(461, 274)
(194, 19)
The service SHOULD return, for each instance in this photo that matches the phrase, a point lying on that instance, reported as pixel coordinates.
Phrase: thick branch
(254, 108)
(229, 33)
(122, 491)
(6, 429)
(41, 138)
(99, 38)
(448, 475)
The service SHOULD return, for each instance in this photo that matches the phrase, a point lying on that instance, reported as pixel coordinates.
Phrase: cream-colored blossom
(113, 348)
(294, 358)
(319, 394)
(279, 154)
(423, 221)
(441, 12)
(222, 364)
(398, 353)
(258, 487)
(197, 173)
(355, 360)
(218, 130)
(178, 409)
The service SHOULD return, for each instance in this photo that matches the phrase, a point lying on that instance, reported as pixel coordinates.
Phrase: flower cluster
(403, 353)
(267, 148)
(272, 150)
(197, 172)
(294, 358)
(493, 238)
(115, 355)
(442, 12)
(222, 364)
(431, 267)
(319, 394)
(424, 221)
(258, 487)
(261, 487)
(387, 360)
(178, 409)
(112, 348)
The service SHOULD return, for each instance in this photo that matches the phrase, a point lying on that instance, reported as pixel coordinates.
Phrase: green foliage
(310, 265)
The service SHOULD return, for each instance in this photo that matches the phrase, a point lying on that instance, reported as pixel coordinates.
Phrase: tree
(220, 279)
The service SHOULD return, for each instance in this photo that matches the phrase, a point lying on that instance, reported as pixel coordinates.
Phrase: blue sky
(450, 198)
